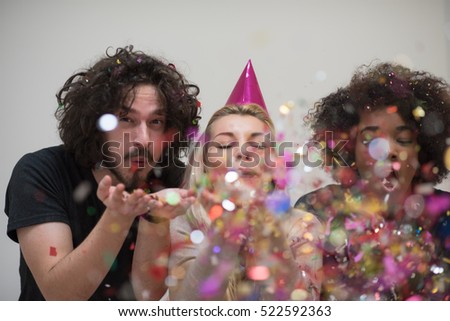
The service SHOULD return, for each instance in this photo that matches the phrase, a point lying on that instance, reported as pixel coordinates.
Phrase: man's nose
(141, 134)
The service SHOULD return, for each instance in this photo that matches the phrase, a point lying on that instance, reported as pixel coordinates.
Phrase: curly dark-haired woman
(385, 136)
(76, 209)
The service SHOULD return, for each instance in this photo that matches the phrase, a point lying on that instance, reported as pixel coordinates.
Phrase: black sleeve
(35, 194)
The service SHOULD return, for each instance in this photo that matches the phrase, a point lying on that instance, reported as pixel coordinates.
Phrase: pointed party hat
(247, 89)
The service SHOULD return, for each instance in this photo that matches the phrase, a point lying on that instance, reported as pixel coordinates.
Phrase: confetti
(197, 236)
(447, 158)
(414, 205)
(284, 110)
(231, 176)
(82, 191)
(258, 273)
(173, 198)
(157, 272)
(278, 202)
(53, 251)
(338, 237)
(299, 295)
(418, 112)
(107, 122)
(379, 148)
(91, 211)
(391, 109)
(215, 212)
(228, 205)
(115, 228)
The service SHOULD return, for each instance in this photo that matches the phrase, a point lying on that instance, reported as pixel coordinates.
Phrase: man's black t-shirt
(48, 186)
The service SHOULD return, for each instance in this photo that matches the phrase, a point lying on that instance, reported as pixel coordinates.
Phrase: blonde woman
(241, 240)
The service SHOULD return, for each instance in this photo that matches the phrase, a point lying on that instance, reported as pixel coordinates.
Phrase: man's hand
(118, 201)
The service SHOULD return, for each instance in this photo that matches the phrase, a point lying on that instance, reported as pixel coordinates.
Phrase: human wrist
(153, 219)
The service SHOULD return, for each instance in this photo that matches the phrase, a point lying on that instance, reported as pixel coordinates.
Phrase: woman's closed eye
(126, 119)
(227, 145)
(405, 141)
(258, 145)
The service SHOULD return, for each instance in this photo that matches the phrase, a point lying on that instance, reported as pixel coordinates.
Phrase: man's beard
(135, 181)
(130, 183)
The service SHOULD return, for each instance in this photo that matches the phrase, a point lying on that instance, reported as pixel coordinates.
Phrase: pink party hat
(247, 89)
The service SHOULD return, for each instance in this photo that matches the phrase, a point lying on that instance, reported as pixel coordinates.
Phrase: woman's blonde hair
(196, 215)
(253, 110)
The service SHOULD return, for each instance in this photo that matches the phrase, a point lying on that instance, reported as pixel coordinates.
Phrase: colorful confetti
(107, 122)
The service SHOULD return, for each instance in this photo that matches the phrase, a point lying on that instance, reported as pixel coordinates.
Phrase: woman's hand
(170, 202)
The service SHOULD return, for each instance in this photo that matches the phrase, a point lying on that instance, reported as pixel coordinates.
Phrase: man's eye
(157, 123)
(125, 119)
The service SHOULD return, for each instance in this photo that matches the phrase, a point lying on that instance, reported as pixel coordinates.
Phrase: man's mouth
(138, 159)
(138, 162)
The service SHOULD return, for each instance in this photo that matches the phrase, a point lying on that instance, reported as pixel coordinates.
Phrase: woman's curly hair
(104, 87)
(422, 100)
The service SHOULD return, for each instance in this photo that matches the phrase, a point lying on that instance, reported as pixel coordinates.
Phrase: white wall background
(301, 50)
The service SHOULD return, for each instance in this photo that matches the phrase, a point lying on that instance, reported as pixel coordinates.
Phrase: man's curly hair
(104, 87)
(422, 100)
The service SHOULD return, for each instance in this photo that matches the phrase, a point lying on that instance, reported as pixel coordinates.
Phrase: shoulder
(299, 214)
(442, 193)
(36, 192)
(437, 206)
(42, 157)
(438, 202)
(319, 201)
(50, 171)
(43, 166)
(324, 193)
